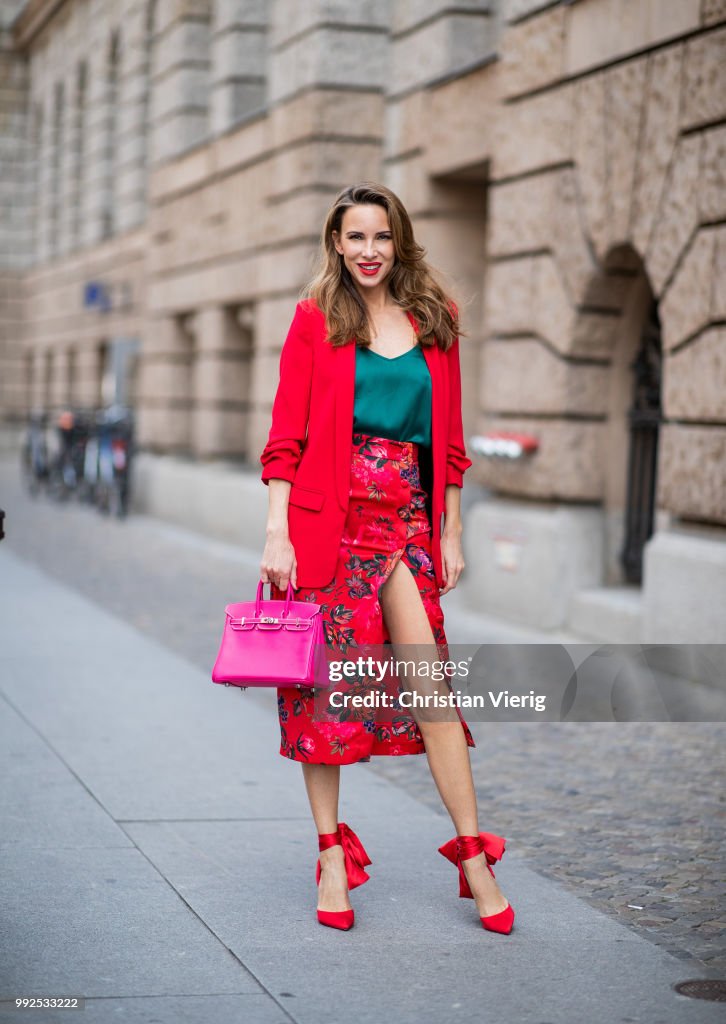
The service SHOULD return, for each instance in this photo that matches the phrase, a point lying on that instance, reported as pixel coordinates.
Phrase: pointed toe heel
(341, 919)
(356, 860)
(503, 922)
(462, 848)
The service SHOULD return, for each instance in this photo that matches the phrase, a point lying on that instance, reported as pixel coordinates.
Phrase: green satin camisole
(393, 396)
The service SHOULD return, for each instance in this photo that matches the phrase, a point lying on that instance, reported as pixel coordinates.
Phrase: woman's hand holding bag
(272, 643)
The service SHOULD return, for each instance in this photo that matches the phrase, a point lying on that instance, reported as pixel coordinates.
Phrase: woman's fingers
(445, 573)
(277, 565)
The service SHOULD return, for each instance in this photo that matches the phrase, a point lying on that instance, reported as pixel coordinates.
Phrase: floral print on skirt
(387, 520)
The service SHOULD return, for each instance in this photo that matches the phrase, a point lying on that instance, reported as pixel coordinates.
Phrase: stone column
(45, 177)
(37, 368)
(221, 382)
(164, 399)
(88, 375)
(65, 165)
(76, 155)
(16, 237)
(180, 77)
(14, 157)
(239, 61)
(132, 127)
(93, 216)
(59, 379)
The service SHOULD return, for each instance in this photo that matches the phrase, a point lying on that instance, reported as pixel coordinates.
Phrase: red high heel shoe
(464, 848)
(356, 859)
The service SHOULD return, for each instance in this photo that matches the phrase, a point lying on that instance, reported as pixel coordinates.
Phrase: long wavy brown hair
(411, 281)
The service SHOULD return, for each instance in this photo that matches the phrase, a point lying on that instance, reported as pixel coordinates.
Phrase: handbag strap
(273, 622)
(260, 592)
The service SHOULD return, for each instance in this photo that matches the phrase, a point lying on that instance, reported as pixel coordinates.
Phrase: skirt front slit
(387, 521)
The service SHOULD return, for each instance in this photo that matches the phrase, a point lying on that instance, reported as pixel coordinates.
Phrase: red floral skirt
(387, 520)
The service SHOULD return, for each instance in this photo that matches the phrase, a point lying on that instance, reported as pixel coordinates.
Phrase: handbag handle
(260, 592)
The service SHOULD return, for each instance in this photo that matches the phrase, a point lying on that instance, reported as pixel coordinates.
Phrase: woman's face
(366, 244)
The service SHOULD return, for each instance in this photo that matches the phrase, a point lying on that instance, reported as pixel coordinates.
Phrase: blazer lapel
(432, 354)
(344, 356)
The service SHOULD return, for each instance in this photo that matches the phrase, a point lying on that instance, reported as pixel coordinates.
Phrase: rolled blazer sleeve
(457, 462)
(290, 409)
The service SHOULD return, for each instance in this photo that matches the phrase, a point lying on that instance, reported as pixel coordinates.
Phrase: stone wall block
(402, 123)
(713, 11)
(219, 433)
(534, 133)
(569, 464)
(162, 380)
(695, 380)
(608, 290)
(624, 97)
(186, 87)
(567, 235)
(685, 306)
(691, 481)
(163, 336)
(169, 11)
(678, 213)
(160, 428)
(713, 175)
(451, 41)
(184, 41)
(595, 334)
(533, 52)
(316, 58)
(290, 17)
(718, 294)
(602, 31)
(509, 296)
(524, 375)
(660, 132)
(520, 215)
(221, 379)
(239, 52)
(591, 158)
(513, 9)
(553, 312)
(704, 92)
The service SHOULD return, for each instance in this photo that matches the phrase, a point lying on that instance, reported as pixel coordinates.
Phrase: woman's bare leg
(322, 782)
(445, 742)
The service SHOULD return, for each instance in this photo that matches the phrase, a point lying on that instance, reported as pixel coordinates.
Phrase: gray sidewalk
(158, 859)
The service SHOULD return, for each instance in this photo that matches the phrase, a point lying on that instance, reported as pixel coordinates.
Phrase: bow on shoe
(465, 847)
(356, 857)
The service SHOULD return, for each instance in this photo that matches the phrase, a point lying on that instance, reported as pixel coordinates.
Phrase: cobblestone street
(629, 817)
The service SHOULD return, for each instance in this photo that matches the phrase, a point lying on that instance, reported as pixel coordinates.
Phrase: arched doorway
(622, 311)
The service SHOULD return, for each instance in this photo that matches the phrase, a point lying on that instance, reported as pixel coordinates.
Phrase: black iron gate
(644, 418)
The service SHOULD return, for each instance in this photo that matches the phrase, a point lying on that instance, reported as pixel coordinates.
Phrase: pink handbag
(272, 643)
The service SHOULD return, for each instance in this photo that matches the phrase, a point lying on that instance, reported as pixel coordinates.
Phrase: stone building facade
(170, 163)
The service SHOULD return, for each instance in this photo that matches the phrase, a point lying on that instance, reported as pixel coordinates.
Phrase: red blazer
(310, 440)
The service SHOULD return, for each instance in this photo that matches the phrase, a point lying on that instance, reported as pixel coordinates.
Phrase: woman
(364, 458)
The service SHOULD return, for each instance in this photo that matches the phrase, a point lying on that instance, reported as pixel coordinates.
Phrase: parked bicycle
(65, 466)
(115, 439)
(34, 454)
(85, 453)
